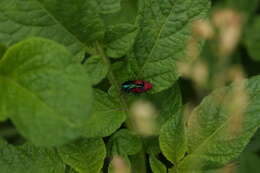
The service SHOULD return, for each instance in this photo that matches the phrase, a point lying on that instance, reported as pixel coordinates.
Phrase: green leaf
(71, 23)
(124, 142)
(221, 126)
(29, 159)
(109, 6)
(119, 39)
(151, 145)
(167, 102)
(80, 17)
(249, 162)
(45, 94)
(156, 165)
(138, 162)
(172, 138)
(84, 155)
(252, 39)
(96, 69)
(127, 14)
(106, 117)
(165, 29)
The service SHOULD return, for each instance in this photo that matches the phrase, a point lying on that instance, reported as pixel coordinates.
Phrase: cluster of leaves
(56, 57)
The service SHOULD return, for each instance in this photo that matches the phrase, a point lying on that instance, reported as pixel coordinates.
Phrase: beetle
(136, 86)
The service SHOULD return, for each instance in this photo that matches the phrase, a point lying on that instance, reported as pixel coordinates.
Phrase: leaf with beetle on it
(45, 94)
(165, 30)
(219, 130)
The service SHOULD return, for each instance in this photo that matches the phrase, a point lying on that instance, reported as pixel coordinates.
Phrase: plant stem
(114, 82)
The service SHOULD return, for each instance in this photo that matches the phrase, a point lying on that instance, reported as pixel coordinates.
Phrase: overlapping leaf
(84, 155)
(107, 116)
(29, 159)
(109, 6)
(96, 68)
(156, 165)
(124, 142)
(222, 125)
(173, 138)
(45, 94)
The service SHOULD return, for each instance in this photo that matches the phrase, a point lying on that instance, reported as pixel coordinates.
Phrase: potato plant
(190, 97)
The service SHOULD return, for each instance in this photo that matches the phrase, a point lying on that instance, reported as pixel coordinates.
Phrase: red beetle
(136, 86)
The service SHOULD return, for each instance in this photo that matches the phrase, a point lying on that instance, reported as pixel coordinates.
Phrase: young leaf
(109, 6)
(71, 23)
(165, 29)
(252, 39)
(96, 69)
(119, 39)
(106, 117)
(126, 15)
(156, 165)
(44, 93)
(29, 159)
(124, 142)
(222, 125)
(172, 138)
(84, 155)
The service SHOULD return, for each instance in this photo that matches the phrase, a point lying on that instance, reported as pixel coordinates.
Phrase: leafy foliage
(29, 159)
(156, 165)
(106, 116)
(62, 64)
(32, 74)
(78, 153)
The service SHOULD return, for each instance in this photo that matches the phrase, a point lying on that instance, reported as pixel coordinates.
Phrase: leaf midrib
(156, 40)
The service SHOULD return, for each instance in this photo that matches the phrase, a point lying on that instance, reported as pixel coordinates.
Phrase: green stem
(114, 82)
